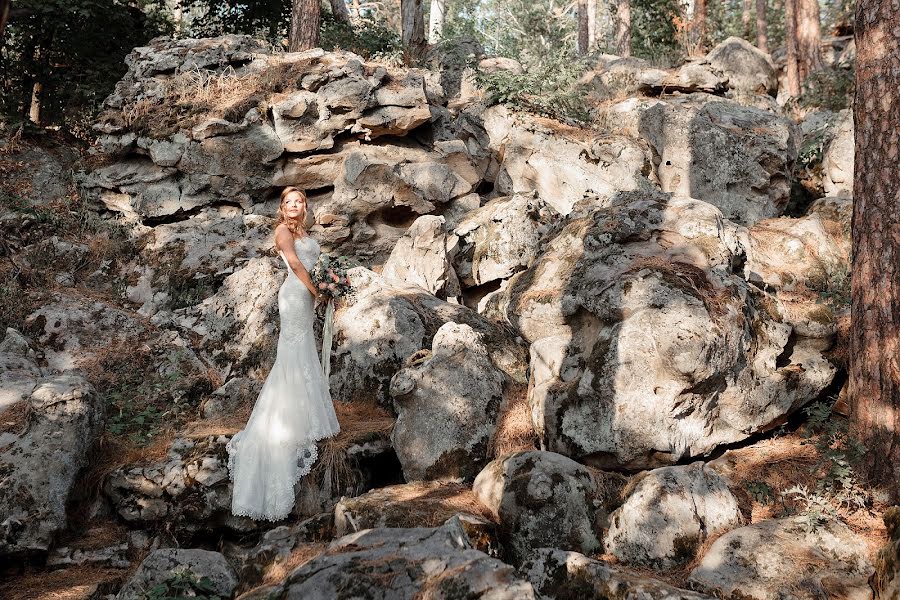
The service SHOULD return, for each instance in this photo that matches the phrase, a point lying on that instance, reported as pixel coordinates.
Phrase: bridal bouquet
(330, 277)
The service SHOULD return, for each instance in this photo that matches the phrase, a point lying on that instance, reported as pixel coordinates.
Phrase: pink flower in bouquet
(332, 287)
(334, 277)
(322, 285)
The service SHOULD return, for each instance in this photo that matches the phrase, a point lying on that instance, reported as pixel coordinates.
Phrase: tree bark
(412, 27)
(592, 24)
(623, 28)
(340, 11)
(762, 25)
(699, 24)
(584, 28)
(34, 110)
(746, 25)
(809, 38)
(4, 14)
(875, 312)
(305, 15)
(790, 39)
(436, 20)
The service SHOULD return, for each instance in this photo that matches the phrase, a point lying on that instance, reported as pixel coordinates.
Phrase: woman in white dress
(294, 409)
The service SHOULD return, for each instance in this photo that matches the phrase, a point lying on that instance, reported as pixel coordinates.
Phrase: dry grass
(686, 275)
(197, 95)
(515, 430)
(74, 583)
(100, 534)
(14, 417)
(281, 568)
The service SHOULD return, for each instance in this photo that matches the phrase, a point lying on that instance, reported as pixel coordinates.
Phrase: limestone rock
(561, 168)
(437, 562)
(386, 323)
(532, 494)
(447, 406)
(501, 238)
(40, 464)
(734, 157)
(748, 69)
(887, 564)
(423, 257)
(645, 347)
(837, 162)
(19, 371)
(163, 564)
(780, 558)
(557, 574)
(668, 515)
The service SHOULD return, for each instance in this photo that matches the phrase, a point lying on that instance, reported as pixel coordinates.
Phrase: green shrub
(183, 585)
(549, 89)
(369, 39)
(831, 88)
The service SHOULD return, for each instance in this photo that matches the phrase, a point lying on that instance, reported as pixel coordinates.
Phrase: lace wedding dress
(293, 411)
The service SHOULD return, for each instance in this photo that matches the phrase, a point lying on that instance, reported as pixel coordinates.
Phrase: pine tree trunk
(584, 33)
(623, 28)
(592, 24)
(340, 11)
(412, 27)
(746, 25)
(4, 15)
(699, 24)
(304, 34)
(790, 39)
(34, 110)
(762, 25)
(809, 38)
(875, 312)
(436, 20)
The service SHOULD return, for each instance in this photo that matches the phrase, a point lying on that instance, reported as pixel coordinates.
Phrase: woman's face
(293, 205)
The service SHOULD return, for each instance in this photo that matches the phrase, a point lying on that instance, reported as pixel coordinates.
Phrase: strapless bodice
(307, 252)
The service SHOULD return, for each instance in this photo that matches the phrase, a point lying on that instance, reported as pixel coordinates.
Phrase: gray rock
(748, 69)
(734, 157)
(781, 558)
(423, 257)
(837, 162)
(532, 494)
(669, 514)
(40, 464)
(162, 565)
(401, 564)
(886, 581)
(447, 406)
(386, 323)
(557, 574)
(19, 372)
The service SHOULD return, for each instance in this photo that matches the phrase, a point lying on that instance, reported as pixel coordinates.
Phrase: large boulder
(783, 558)
(837, 161)
(735, 157)
(19, 371)
(560, 575)
(645, 347)
(531, 494)
(38, 465)
(447, 405)
(748, 69)
(163, 567)
(424, 257)
(501, 238)
(387, 322)
(668, 515)
(560, 165)
(401, 564)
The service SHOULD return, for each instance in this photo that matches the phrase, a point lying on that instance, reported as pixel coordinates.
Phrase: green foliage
(264, 19)
(831, 88)
(548, 90)
(816, 509)
(839, 452)
(812, 150)
(183, 585)
(653, 33)
(760, 492)
(369, 39)
(835, 289)
(75, 50)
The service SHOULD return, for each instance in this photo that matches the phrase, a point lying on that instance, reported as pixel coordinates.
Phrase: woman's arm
(285, 242)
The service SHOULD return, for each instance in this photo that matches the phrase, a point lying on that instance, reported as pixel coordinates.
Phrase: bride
(294, 409)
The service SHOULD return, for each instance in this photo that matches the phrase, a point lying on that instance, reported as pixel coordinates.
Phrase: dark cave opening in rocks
(473, 295)
(396, 217)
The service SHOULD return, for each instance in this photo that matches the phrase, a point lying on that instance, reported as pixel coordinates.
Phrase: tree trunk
(584, 28)
(746, 25)
(305, 16)
(699, 24)
(340, 11)
(436, 20)
(623, 28)
(809, 38)
(412, 26)
(4, 15)
(762, 25)
(875, 312)
(790, 39)
(34, 110)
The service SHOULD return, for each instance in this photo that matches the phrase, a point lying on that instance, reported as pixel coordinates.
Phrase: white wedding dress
(293, 411)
